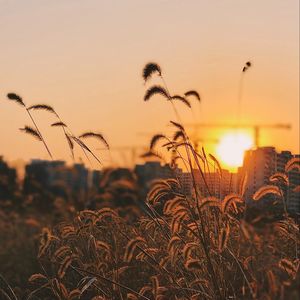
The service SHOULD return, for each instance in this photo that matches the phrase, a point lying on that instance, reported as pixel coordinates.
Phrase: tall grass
(182, 246)
(70, 137)
(36, 132)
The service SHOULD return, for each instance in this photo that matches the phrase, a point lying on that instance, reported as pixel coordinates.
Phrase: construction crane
(256, 128)
(194, 138)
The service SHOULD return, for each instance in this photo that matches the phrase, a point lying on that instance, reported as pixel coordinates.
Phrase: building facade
(260, 164)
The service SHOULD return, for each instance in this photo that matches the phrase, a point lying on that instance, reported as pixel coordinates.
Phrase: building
(96, 178)
(293, 198)
(260, 164)
(50, 175)
(216, 184)
(186, 183)
(8, 180)
(150, 171)
(219, 186)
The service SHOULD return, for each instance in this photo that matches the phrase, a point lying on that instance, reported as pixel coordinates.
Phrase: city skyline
(20, 164)
(258, 168)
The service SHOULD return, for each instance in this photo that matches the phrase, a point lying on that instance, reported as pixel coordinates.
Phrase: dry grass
(181, 247)
(184, 248)
(172, 255)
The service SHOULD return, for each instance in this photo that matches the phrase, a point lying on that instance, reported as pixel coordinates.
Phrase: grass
(178, 247)
(183, 248)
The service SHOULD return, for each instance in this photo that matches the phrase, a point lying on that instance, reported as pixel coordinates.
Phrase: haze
(85, 59)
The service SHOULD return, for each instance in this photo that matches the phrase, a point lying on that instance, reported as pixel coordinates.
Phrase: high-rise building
(219, 186)
(260, 164)
(44, 175)
(8, 180)
(96, 177)
(185, 180)
(216, 184)
(293, 198)
(150, 171)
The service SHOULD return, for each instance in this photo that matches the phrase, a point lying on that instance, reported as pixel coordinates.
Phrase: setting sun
(231, 148)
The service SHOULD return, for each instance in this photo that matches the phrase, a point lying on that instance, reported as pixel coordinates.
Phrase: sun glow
(231, 148)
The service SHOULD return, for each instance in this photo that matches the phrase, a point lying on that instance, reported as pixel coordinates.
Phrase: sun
(231, 148)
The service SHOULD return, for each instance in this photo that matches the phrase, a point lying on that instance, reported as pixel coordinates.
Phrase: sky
(85, 59)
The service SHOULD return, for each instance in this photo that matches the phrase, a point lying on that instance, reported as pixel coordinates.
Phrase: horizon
(19, 164)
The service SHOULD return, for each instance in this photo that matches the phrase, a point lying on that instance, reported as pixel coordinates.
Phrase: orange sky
(85, 59)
